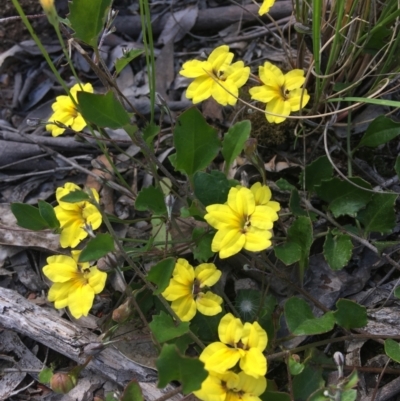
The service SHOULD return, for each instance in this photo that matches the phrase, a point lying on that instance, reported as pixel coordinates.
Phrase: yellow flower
(65, 111)
(74, 218)
(185, 290)
(75, 284)
(282, 93)
(239, 343)
(216, 77)
(265, 6)
(242, 222)
(230, 386)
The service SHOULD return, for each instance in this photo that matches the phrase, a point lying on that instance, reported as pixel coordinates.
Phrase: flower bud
(61, 383)
(47, 5)
(123, 311)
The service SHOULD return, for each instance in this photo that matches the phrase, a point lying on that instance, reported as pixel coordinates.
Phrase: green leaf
(87, 18)
(350, 315)
(151, 198)
(288, 253)
(48, 214)
(392, 349)
(150, 131)
(102, 110)
(307, 382)
(379, 215)
(75, 196)
(284, 185)
(343, 197)
(161, 273)
(211, 188)
(171, 365)
(379, 132)
(337, 250)
(397, 166)
(203, 239)
(301, 321)
(298, 243)
(295, 367)
(315, 172)
(28, 217)
(294, 204)
(128, 56)
(97, 247)
(195, 141)
(396, 292)
(164, 328)
(132, 392)
(274, 396)
(234, 141)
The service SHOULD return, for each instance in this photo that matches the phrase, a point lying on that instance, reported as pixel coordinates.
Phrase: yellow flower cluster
(218, 78)
(236, 364)
(244, 221)
(74, 284)
(66, 113)
(186, 290)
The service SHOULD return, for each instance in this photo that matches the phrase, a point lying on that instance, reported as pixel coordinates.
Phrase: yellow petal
(263, 217)
(241, 201)
(80, 301)
(257, 240)
(212, 389)
(58, 294)
(92, 216)
(272, 76)
(72, 234)
(207, 274)
(230, 329)
(252, 386)
(183, 272)
(222, 216)
(298, 98)
(220, 56)
(60, 268)
(96, 279)
(238, 74)
(200, 89)
(209, 304)
(222, 359)
(254, 363)
(176, 290)
(294, 79)
(263, 93)
(195, 69)
(185, 308)
(265, 6)
(224, 94)
(254, 336)
(277, 106)
(228, 242)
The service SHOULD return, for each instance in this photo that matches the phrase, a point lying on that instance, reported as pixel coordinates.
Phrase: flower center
(196, 288)
(285, 93)
(247, 224)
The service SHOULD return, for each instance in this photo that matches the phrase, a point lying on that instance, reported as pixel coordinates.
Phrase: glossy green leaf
(128, 56)
(97, 247)
(392, 349)
(151, 198)
(343, 197)
(161, 273)
(28, 217)
(317, 171)
(301, 321)
(350, 314)
(75, 196)
(171, 365)
(132, 392)
(294, 204)
(337, 250)
(380, 131)
(87, 18)
(164, 328)
(202, 251)
(196, 142)
(103, 110)
(211, 188)
(307, 382)
(298, 243)
(379, 215)
(274, 396)
(234, 141)
(48, 214)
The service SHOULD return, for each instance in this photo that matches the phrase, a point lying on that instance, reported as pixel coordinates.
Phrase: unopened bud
(47, 5)
(250, 147)
(61, 383)
(93, 348)
(123, 311)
